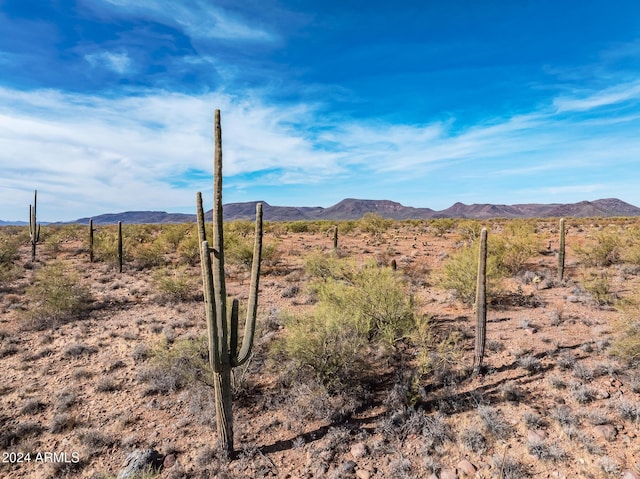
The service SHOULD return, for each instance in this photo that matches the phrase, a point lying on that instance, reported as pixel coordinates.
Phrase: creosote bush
(459, 273)
(174, 284)
(515, 246)
(56, 296)
(604, 250)
(367, 308)
(626, 346)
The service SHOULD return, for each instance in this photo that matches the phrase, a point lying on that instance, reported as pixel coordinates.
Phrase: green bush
(626, 345)
(322, 265)
(326, 346)
(172, 367)
(238, 250)
(8, 249)
(175, 284)
(56, 296)
(599, 286)
(374, 223)
(365, 308)
(442, 225)
(515, 246)
(603, 251)
(460, 272)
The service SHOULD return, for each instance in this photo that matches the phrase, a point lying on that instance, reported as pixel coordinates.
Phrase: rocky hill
(351, 208)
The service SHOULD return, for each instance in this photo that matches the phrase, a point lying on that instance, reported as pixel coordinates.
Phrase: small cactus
(481, 304)
(34, 227)
(223, 340)
(335, 239)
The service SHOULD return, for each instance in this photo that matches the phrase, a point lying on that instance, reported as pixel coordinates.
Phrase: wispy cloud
(198, 18)
(118, 62)
(149, 151)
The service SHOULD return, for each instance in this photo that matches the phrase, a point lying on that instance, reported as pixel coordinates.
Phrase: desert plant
(174, 284)
(626, 345)
(481, 304)
(561, 251)
(223, 338)
(514, 248)
(34, 227)
(92, 230)
(374, 224)
(120, 255)
(459, 274)
(442, 225)
(604, 251)
(57, 295)
(598, 285)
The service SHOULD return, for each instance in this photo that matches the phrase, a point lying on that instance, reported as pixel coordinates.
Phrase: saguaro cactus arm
(252, 307)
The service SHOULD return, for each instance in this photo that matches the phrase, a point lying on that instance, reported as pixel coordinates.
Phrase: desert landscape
(362, 358)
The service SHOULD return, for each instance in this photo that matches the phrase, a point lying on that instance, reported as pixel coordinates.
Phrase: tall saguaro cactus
(223, 338)
(91, 231)
(481, 304)
(34, 228)
(120, 254)
(561, 251)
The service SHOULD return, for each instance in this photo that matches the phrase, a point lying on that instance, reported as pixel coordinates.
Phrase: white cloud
(117, 62)
(90, 154)
(198, 19)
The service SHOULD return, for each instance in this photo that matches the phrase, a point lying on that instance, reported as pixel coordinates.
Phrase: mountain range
(353, 209)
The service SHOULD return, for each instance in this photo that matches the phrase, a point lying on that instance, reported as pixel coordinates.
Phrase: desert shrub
(9, 245)
(298, 226)
(105, 246)
(375, 299)
(174, 284)
(603, 251)
(371, 308)
(373, 223)
(173, 367)
(514, 248)
(460, 271)
(238, 250)
(598, 286)
(346, 226)
(470, 230)
(56, 296)
(320, 265)
(442, 225)
(626, 345)
(325, 346)
(146, 255)
(189, 247)
(172, 234)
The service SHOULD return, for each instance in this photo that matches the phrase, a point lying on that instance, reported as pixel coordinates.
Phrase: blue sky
(107, 105)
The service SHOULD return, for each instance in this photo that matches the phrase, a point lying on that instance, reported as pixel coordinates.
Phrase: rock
(448, 474)
(466, 468)
(169, 461)
(536, 435)
(606, 431)
(572, 299)
(358, 450)
(349, 467)
(628, 474)
(363, 474)
(140, 461)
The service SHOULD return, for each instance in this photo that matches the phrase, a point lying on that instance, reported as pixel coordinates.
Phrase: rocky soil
(552, 402)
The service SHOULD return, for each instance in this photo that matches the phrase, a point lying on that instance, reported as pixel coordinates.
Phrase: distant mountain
(350, 208)
(13, 223)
